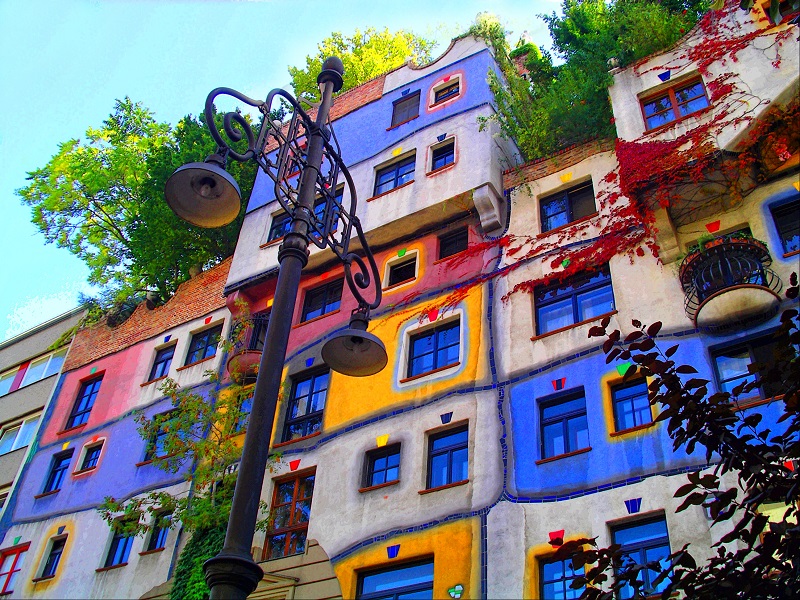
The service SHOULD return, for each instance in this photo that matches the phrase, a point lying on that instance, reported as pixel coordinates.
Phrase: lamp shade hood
(204, 194)
(355, 353)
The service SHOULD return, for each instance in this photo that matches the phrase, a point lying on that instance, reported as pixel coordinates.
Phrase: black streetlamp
(204, 194)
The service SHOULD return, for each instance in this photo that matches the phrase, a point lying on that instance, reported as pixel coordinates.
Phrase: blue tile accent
(633, 505)
(440, 138)
(166, 338)
(309, 362)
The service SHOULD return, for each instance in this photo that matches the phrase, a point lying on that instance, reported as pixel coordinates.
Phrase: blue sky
(64, 62)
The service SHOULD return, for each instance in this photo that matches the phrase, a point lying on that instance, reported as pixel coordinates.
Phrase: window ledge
(444, 101)
(197, 362)
(573, 326)
(446, 258)
(444, 487)
(71, 429)
(84, 471)
(43, 578)
(666, 126)
(146, 383)
(377, 487)
(398, 284)
(148, 552)
(327, 314)
(434, 172)
(45, 494)
(300, 439)
(150, 461)
(102, 569)
(560, 456)
(632, 429)
(790, 254)
(570, 224)
(752, 402)
(274, 242)
(426, 373)
(394, 189)
(401, 123)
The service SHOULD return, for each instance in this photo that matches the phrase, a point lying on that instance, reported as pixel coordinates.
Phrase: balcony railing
(725, 264)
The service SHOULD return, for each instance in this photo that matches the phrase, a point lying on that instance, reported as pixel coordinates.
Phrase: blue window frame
(58, 469)
(306, 406)
(383, 465)
(434, 349)
(119, 550)
(54, 557)
(567, 206)
(631, 405)
(162, 362)
(203, 344)
(448, 457)
(91, 457)
(84, 403)
(156, 446)
(565, 428)
(397, 583)
(556, 577)
(158, 537)
(394, 175)
(643, 542)
(322, 300)
(443, 155)
(580, 298)
(787, 222)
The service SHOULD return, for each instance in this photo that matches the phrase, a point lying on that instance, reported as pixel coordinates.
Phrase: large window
(10, 565)
(162, 362)
(448, 457)
(581, 297)
(556, 577)
(203, 344)
(631, 405)
(43, 367)
(383, 466)
(58, 469)
(565, 428)
(291, 510)
(54, 557)
(120, 549)
(394, 175)
(643, 542)
(397, 583)
(787, 222)
(453, 242)
(322, 300)
(84, 403)
(567, 206)
(732, 364)
(306, 405)
(674, 103)
(19, 435)
(434, 349)
(405, 109)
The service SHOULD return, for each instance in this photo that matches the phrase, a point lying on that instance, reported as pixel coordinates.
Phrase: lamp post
(204, 194)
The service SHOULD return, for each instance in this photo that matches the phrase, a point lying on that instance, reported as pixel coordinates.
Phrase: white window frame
(101, 441)
(415, 328)
(395, 260)
(440, 84)
(47, 357)
(31, 422)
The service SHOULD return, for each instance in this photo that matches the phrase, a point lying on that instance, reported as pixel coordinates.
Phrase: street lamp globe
(204, 194)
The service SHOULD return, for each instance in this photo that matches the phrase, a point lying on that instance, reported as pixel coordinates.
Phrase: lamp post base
(232, 576)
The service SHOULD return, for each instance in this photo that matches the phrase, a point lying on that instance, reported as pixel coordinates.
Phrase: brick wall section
(195, 298)
(541, 167)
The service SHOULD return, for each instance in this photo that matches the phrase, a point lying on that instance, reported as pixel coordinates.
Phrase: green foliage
(189, 582)
(102, 199)
(364, 54)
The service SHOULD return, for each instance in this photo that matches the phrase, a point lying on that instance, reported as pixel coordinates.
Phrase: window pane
(641, 532)
(578, 430)
(6, 379)
(563, 408)
(438, 474)
(8, 439)
(554, 443)
(460, 470)
(26, 432)
(277, 545)
(660, 119)
(594, 303)
(693, 106)
(56, 360)
(397, 578)
(554, 316)
(450, 440)
(656, 106)
(35, 371)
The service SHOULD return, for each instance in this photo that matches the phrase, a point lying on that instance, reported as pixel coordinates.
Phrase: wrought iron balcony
(248, 343)
(729, 285)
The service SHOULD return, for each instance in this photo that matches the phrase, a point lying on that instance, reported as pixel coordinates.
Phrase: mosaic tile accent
(634, 505)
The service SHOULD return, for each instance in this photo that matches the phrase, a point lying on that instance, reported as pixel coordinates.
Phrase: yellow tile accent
(566, 177)
(797, 185)
(65, 445)
(397, 151)
(269, 302)
(381, 440)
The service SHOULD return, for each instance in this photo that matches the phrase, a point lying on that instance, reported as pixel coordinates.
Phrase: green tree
(365, 54)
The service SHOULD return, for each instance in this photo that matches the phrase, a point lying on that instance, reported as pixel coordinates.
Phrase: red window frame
(16, 567)
(294, 525)
(671, 94)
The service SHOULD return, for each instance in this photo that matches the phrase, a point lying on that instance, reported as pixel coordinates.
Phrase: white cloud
(37, 309)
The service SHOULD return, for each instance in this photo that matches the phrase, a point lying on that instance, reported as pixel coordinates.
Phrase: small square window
(306, 405)
(58, 469)
(54, 557)
(631, 405)
(674, 103)
(448, 457)
(84, 403)
(434, 349)
(643, 542)
(396, 583)
(787, 222)
(291, 510)
(120, 549)
(579, 298)
(564, 425)
(405, 109)
(556, 577)
(322, 300)
(443, 155)
(158, 536)
(383, 465)
(453, 242)
(91, 457)
(394, 175)
(447, 91)
(162, 362)
(565, 207)
(203, 344)
(400, 272)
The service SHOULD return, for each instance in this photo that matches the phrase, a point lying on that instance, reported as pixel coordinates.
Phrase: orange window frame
(675, 104)
(293, 526)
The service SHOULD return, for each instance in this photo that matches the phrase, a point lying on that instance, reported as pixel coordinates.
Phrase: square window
(555, 579)
(403, 271)
(405, 109)
(448, 457)
(10, 565)
(158, 536)
(787, 222)
(203, 344)
(447, 91)
(18, 436)
(84, 403)
(162, 362)
(564, 425)
(120, 549)
(453, 242)
(396, 583)
(443, 155)
(305, 406)
(91, 457)
(394, 175)
(674, 103)
(291, 510)
(434, 349)
(54, 557)
(322, 300)
(631, 405)
(732, 364)
(383, 465)
(579, 298)
(567, 206)
(643, 542)
(58, 468)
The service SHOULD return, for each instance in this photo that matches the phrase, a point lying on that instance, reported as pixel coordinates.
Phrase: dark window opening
(643, 542)
(204, 344)
(306, 405)
(58, 469)
(564, 425)
(291, 510)
(556, 577)
(674, 103)
(162, 362)
(394, 175)
(397, 583)
(91, 457)
(453, 242)
(405, 109)
(787, 222)
(322, 300)
(565, 207)
(443, 156)
(84, 403)
(54, 557)
(403, 271)
(448, 457)
(158, 537)
(631, 405)
(383, 465)
(580, 298)
(448, 91)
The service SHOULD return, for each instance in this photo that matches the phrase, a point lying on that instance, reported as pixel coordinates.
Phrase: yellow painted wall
(540, 552)
(38, 557)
